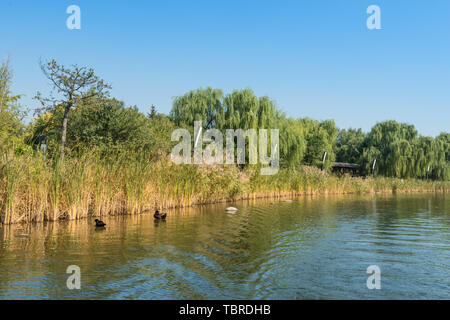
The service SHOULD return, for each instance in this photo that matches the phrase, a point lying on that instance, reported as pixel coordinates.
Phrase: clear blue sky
(314, 58)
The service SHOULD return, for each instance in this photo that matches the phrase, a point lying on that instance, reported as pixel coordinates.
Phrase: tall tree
(11, 112)
(391, 141)
(153, 112)
(320, 138)
(73, 85)
(349, 145)
(292, 141)
(441, 163)
(200, 105)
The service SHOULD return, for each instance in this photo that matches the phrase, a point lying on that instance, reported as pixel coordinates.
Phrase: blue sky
(313, 58)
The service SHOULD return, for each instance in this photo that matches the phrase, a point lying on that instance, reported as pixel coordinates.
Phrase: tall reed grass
(35, 189)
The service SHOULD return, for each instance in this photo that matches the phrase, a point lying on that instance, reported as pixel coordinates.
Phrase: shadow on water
(312, 247)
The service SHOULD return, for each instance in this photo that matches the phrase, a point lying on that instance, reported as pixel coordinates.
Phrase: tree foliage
(200, 105)
(398, 150)
(106, 124)
(73, 85)
(349, 145)
(11, 113)
(241, 109)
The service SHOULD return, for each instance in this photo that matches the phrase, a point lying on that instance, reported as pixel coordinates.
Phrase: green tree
(74, 85)
(200, 105)
(349, 145)
(240, 109)
(153, 112)
(292, 141)
(424, 152)
(391, 142)
(244, 110)
(320, 138)
(11, 113)
(108, 125)
(441, 164)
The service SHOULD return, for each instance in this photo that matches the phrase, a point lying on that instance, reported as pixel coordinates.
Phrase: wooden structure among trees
(342, 168)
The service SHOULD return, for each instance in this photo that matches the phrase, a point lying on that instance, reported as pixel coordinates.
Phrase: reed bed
(35, 189)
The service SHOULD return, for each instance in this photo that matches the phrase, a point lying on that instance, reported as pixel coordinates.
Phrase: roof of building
(346, 165)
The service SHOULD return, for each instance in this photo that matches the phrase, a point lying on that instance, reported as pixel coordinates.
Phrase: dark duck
(158, 215)
(99, 223)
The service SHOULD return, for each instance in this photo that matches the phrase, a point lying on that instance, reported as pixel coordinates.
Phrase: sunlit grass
(33, 188)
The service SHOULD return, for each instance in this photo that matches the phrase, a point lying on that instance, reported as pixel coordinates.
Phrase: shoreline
(34, 190)
(254, 197)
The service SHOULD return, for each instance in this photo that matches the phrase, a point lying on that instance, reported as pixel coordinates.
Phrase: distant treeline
(94, 119)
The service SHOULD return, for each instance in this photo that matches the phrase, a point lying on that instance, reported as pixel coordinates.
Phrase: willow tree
(240, 109)
(73, 85)
(400, 159)
(292, 141)
(391, 141)
(441, 164)
(369, 155)
(424, 156)
(198, 105)
(244, 110)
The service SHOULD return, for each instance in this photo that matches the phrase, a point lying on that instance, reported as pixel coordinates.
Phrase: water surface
(311, 248)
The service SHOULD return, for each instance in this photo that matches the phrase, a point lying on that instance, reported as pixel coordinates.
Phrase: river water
(310, 248)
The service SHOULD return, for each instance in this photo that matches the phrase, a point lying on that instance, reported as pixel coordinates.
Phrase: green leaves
(201, 105)
(11, 113)
(73, 85)
(349, 145)
(401, 153)
(239, 110)
(107, 125)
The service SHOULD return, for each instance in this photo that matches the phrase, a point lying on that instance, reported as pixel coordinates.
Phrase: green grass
(34, 189)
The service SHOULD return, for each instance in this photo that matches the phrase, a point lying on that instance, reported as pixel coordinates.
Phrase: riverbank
(33, 189)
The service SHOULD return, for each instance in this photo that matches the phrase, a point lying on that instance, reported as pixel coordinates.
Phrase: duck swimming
(158, 215)
(99, 223)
